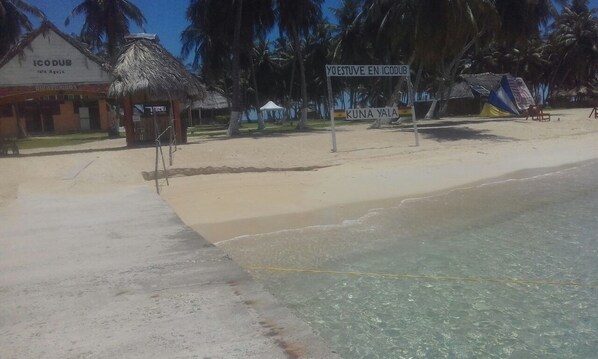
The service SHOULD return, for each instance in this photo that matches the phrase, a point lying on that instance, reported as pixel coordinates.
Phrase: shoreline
(372, 168)
(351, 188)
(349, 213)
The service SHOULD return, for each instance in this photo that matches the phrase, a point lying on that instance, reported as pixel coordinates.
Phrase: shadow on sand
(89, 150)
(461, 133)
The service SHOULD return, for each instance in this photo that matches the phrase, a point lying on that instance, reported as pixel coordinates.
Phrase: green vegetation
(251, 129)
(60, 140)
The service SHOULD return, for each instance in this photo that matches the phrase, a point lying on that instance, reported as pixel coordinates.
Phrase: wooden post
(129, 128)
(178, 125)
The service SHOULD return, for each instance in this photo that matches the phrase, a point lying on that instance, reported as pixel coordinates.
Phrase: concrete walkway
(119, 275)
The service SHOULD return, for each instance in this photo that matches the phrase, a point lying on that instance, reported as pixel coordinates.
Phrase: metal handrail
(161, 154)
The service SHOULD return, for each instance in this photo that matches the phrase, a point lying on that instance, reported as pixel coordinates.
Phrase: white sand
(371, 168)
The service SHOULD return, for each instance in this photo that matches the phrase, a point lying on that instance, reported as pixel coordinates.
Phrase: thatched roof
(146, 71)
(487, 80)
(580, 91)
(213, 100)
(461, 90)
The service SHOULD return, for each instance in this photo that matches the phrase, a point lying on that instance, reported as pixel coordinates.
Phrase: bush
(221, 120)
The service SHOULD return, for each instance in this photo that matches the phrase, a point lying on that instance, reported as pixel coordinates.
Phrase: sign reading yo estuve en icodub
(366, 70)
(372, 113)
(368, 113)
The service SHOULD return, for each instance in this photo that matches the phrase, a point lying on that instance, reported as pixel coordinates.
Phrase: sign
(51, 66)
(366, 70)
(368, 113)
(372, 113)
(49, 59)
(58, 87)
(340, 114)
(157, 109)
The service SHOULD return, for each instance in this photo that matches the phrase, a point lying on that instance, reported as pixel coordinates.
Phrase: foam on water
(537, 228)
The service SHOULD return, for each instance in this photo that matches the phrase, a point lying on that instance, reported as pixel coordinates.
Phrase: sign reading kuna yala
(372, 113)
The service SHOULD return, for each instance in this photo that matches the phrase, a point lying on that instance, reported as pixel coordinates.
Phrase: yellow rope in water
(425, 277)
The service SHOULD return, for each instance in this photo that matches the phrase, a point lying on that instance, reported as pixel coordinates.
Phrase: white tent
(271, 106)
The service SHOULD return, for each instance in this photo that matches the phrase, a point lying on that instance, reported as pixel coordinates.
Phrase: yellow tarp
(340, 114)
(404, 111)
(491, 111)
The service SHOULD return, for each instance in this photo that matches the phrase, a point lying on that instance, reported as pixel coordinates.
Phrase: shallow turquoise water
(542, 227)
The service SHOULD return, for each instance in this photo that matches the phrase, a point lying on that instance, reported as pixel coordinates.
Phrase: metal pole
(331, 108)
(164, 165)
(412, 104)
(156, 168)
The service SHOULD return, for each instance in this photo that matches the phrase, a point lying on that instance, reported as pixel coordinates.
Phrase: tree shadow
(89, 150)
(448, 122)
(256, 135)
(443, 134)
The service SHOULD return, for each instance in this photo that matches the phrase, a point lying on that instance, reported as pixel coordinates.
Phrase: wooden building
(51, 83)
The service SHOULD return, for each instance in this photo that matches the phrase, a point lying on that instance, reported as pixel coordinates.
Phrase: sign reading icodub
(51, 66)
(52, 62)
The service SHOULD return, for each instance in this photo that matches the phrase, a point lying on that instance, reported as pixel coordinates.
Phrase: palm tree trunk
(302, 124)
(235, 114)
(290, 98)
(450, 72)
(260, 119)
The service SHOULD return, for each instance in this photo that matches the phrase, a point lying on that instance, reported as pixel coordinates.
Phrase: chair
(537, 114)
(8, 144)
(594, 112)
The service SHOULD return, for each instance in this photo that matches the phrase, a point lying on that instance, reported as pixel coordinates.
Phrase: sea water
(504, 269)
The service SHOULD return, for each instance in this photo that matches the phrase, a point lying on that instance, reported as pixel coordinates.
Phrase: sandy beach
(224, 188)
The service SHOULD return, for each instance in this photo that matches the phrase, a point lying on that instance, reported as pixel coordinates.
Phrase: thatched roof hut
(146, 71)
(213, 100)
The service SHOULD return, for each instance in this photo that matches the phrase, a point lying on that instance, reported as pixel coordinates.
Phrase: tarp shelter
(470, 92)
(511, 97)
(271, 108)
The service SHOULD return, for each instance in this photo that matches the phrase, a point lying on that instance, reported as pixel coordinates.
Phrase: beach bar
(51, 83)
(150, 83)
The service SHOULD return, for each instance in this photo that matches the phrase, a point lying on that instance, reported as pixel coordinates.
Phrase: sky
(166, 18)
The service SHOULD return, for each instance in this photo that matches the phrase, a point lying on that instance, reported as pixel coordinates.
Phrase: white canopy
(271, 106)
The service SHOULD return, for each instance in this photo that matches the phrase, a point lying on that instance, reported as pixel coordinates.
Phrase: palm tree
(218, 45)
(296, 18)
(573, 47)
(442, 32)
(13, 20)
(352, 43)
(318, 52)
(263, 75)
(106, 22)
(285, 60)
